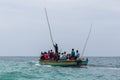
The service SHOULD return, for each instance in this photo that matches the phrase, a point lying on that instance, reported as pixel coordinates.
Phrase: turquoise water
(27, 68)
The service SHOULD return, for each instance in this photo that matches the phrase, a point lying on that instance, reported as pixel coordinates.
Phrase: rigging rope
(86, 41)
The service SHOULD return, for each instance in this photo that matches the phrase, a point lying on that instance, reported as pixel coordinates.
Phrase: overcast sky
(24, 30)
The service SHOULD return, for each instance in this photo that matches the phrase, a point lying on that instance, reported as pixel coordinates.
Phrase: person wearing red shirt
(45, 55)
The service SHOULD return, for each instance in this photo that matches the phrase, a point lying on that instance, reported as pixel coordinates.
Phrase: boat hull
(64, 63)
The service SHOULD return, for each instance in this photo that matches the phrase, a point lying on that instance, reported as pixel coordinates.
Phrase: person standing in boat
(56, 55)
(56, 48)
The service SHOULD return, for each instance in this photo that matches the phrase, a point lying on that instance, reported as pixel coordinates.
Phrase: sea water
(28, 68)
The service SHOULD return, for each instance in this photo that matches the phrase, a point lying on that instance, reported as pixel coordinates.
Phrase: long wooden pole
(49, 26)
(85, 45)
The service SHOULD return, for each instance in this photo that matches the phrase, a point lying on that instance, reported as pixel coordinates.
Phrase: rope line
(86, 41)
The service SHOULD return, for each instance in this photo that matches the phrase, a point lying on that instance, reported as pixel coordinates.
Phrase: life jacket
(45, 56)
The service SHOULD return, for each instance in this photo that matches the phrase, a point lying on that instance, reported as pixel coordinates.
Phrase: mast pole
(85, 45)
(49, 26)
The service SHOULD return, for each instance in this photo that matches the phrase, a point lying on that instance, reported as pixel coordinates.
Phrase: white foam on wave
(47, 66)
(114, 68)
(37, 64)
(110, 68)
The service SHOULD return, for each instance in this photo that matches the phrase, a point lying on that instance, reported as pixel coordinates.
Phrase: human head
(41, 52)
(45, 52)
(76, 51)
(64, 52)
(72, 49)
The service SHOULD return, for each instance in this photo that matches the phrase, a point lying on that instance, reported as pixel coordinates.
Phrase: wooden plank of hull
(64, 63)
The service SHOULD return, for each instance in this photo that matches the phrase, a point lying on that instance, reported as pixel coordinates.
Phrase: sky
(24, 30)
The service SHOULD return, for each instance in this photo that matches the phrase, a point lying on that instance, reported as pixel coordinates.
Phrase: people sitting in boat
(51, 54)
(77, 54)
(41, 56)
(45, 55)
(59, 54)
(68, 57)
(72, 54)
(63, 56)
(86, 59)
(55, 57)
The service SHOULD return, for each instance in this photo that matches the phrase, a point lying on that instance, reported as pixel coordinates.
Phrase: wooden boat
(65, 63)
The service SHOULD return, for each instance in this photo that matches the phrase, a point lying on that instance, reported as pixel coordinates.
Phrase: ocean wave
(109, 66)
